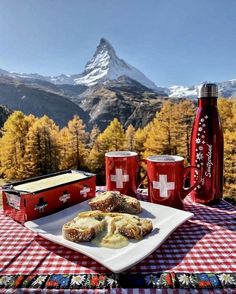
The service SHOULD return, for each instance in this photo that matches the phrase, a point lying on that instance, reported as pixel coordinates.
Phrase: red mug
(166, 177)
(121, 172)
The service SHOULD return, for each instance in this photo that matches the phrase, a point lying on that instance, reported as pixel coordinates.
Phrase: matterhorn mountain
(105, 65)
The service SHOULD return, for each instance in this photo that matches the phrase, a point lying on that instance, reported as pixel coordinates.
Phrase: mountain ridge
(105, 65)
(107, 88)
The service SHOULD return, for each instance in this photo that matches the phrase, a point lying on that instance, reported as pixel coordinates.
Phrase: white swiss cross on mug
(163, 185)
(119, 178)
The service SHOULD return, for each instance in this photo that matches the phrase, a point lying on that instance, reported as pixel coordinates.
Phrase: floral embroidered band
(106, 281)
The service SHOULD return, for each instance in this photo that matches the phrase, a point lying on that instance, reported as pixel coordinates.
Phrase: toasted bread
(113, 201)
(107, 201)
(128, 204)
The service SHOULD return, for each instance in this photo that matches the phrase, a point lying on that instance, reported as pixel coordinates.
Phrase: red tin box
(39, 196)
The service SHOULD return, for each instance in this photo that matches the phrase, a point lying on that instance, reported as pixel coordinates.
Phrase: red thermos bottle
(207, 147)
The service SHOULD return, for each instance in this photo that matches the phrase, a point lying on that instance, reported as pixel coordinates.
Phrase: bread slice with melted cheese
(83, 228)
(133, 227)
(116, 228)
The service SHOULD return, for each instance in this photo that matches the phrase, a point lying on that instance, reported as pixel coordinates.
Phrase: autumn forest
(32, 146)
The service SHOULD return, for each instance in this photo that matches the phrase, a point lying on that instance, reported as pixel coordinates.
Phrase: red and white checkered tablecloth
(206, 243)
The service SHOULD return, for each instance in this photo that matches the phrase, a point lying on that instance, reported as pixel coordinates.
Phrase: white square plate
(165, 220)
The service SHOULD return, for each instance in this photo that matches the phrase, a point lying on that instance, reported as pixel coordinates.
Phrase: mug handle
(186, 191)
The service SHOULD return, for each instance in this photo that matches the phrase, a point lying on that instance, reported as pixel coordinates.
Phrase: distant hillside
(38, 98)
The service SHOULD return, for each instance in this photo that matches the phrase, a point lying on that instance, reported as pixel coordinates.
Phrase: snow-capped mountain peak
(104, 55)
(106, 65)
(97, 68)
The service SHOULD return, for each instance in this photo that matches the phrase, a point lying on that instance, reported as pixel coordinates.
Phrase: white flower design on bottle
(198, 140)
(199, 156)
(201, 145)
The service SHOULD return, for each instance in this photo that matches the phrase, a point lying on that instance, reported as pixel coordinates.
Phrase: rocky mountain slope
(123, 98)
(38, 99)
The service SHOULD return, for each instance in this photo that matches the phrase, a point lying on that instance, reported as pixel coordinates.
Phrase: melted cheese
(114, 240)
(110, 237)
(49, 182)
(87, 223)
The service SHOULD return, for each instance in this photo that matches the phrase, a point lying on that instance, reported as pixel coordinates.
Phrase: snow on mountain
(62, 79)
(106, 65)
(182, 91)
(225, 89)
(26, 76)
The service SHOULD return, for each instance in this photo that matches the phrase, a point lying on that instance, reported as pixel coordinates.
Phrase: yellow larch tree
(93, 135)
(111, 139)
(230, 163)
(64, 153)
(170, 129)
(154, 143)
(42, 150)
(227, 109)
(13, 146)
(185, 114)
(130, 138)
(164, 133)
(140, 138)
(73, 148)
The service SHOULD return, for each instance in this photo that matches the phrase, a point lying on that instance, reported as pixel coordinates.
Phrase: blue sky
(171, 41)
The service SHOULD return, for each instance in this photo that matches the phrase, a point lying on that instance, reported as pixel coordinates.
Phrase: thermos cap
(208, 90)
